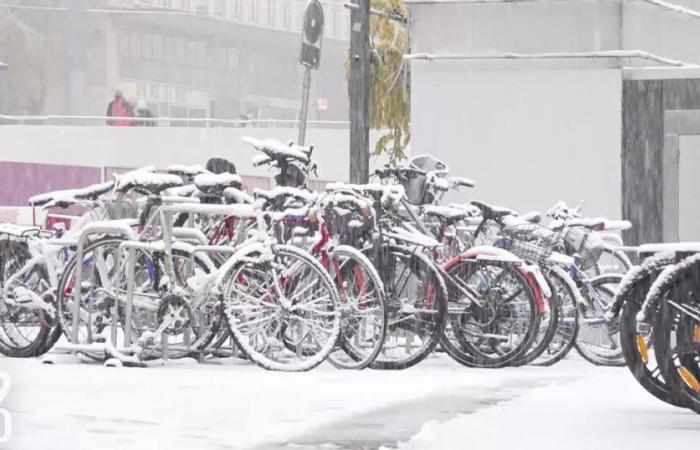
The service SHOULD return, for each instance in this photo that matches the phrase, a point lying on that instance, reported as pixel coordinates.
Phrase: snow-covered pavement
(437, 405)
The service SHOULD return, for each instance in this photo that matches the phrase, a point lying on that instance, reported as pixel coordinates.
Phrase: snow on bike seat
(147, 181)
(446, 212)
(283, 192)
(67, 197)
(185, 171)
(491, 212)
(213, 183)
(385, 193)
(237, 196)
(274, 150)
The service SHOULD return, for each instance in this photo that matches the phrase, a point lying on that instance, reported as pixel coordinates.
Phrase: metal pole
(358, 90)
(306, 89)
(130, 273)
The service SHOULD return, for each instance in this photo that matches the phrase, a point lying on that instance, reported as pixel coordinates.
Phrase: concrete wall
(554, 26)
(135, 147)
(529, 137)
(581, 25)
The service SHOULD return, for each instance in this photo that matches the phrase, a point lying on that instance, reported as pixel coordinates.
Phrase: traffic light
(312, 35)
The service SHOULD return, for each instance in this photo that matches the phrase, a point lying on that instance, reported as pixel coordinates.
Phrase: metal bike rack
(113, 228)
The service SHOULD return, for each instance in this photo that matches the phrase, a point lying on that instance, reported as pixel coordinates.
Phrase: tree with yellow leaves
(390, 77)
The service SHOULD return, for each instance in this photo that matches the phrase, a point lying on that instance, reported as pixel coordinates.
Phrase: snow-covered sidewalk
(438, 404)
(604, 410)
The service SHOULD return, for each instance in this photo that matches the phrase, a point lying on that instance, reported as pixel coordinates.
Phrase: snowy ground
(437, 405)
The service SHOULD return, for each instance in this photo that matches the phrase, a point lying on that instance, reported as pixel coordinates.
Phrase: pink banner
(19, 181)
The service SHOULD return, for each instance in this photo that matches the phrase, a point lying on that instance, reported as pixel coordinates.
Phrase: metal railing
(191, 122)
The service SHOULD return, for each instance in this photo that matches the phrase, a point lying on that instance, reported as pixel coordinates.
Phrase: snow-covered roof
(605, 54)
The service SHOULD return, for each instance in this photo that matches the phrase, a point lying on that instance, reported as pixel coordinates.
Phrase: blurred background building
(186, 58)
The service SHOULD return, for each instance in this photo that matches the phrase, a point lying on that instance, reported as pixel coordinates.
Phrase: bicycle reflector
(696, 333)
(689, 379)
(642, 348)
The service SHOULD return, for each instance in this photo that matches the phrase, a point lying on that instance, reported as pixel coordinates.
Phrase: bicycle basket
(530, 242)
(586, 243)
(415, 184)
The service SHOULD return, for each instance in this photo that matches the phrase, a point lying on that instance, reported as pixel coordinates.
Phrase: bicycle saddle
(490, 212)
(212, 183)
(532, 217)
(146, 181)
(68, 197)
(446, 213)
(187, 171)
(220, 165)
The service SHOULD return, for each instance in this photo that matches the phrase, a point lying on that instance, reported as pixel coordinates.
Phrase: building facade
(187, 58)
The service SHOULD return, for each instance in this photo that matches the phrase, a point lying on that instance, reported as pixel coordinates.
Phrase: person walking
(118, 108)
(144, 115)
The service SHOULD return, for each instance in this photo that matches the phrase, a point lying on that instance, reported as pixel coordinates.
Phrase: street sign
(312, 35)
(311, 39)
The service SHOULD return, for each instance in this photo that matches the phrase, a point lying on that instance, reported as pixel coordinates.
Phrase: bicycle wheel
(638, 344)
(24, 326)
(504, 328)
(363, 309)
(282, 310)
(549, 325)
(188, 325)
(103, 283)
(417, 307)
(598, 340)
(676, 337)
(611, 261)
(565, 292)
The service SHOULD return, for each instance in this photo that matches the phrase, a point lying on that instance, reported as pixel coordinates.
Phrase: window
(191, 53)
(147, 46)
(202, 53)
(180, 51)
(169, 52)
(271, 12)
(221, 57)
(232, 59)
(124, 44)
(157, 47)
(136, 45)
(286, 15)
(202, 7)
(180, 94)
(220, 8)
(236, 8)
(254, 10)
(141, 89)
(153, 90)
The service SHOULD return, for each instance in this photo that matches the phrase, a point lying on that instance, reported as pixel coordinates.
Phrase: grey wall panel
(642, 143)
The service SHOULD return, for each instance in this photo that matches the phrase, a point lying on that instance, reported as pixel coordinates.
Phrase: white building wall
(529, 137)
(136, 146)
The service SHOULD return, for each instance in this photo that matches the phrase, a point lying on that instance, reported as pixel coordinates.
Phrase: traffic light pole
(304, 114)
(358, 91)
